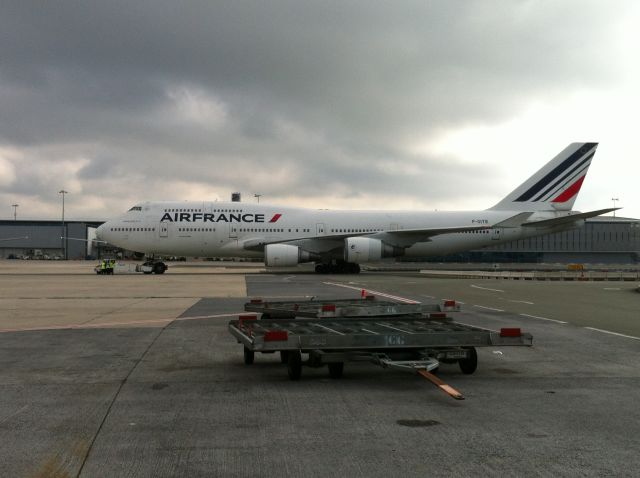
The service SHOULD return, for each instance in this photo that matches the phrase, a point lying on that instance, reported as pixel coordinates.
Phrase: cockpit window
(136, 208)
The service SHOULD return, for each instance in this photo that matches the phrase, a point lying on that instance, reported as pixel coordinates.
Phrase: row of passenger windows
(208, 229)
(133, 229)
(356, 230)
(298, 229)
(199, 210)
(270, 230)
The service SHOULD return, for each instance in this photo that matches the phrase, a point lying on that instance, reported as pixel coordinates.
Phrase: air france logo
(210, 217)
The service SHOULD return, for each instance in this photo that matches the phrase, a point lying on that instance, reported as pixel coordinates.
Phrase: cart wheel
(284, 356)
(469, 364)
(249, 355)
(294, 364)
(336, 369)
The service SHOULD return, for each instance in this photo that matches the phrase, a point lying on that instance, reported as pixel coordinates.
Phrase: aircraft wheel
(336, 369)
(294, 364)
(249, 356)
(159, 268)
(470, 364)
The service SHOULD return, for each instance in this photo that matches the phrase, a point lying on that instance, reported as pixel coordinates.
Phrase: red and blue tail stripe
(564, 179)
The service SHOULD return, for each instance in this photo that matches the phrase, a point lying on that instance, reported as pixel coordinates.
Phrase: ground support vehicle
(110, 266)
(368, 306)
(417, 342)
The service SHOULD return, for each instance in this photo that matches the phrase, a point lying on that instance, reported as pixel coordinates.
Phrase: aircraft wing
(13, 238)
(558, 221)
(409, 237)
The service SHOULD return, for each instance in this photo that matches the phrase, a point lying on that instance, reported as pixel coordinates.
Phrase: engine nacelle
(364, 249)
(283, 255)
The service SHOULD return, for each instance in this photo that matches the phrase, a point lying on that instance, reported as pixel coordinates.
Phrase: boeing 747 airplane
(338, 241)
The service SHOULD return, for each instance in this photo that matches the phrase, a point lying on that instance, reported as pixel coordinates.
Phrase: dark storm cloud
(324, 94)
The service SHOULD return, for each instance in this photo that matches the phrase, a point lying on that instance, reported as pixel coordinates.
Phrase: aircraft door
(496, 233)
(320, 230)
(233, 231)
(164, 229)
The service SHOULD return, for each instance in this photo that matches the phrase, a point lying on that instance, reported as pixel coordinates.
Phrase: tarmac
(137, 375)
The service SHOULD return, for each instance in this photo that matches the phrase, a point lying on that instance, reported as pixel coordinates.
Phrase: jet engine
(282, 255)
(363, 249)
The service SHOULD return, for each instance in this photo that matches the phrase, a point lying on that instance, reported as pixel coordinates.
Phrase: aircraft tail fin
(556, 185)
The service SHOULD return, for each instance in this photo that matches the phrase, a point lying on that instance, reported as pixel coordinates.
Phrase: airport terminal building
(601, 240)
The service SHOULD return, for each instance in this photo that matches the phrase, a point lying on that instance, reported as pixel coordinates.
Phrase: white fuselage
(234, 229)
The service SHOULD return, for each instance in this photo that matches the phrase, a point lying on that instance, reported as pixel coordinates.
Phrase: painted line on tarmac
(544, 318)
(521, 302)
(85, 326)
(611, 288)
(375, 292)
(116, 324)
(8, 417)
(613, 333)
(231, 314)
(488, 308)
(485, 288)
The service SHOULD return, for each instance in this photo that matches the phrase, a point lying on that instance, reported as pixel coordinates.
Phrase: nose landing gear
(154, 266)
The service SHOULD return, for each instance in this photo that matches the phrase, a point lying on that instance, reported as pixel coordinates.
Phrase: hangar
(603, 239)
(43, 239)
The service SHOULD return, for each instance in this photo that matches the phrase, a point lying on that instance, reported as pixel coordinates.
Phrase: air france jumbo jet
(338, 241)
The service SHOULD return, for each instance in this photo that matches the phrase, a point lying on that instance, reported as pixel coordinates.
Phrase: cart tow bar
(448, 389)
(423, 367)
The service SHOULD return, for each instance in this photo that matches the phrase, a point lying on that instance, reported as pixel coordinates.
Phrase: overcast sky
(365, 104)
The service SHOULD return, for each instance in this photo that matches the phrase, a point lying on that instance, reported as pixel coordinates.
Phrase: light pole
(614, 205)
(257, 196)
(15, 211)
(62, 236)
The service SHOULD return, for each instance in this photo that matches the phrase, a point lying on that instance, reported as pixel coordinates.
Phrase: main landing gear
(339, 267)
(154, 266)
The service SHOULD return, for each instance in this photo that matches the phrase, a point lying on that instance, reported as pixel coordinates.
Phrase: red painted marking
(570, 191)
(276, 335)
(510, 332)
(275, 217)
